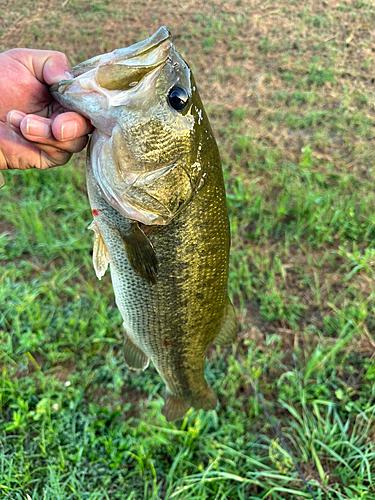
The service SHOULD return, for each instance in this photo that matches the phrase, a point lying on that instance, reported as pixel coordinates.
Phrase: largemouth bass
(157, 195)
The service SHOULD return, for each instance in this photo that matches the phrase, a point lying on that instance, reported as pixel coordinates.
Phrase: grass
(288, 91)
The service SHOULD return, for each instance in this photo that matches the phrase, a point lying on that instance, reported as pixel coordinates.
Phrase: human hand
(35, 132)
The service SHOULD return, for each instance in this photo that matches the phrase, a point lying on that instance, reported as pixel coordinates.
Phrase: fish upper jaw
(125, 77)
(138, 51)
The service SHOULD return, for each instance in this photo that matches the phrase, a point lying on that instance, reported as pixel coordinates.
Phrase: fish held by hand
(157, 194)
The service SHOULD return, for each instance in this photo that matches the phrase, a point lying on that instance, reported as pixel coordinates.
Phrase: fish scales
(156, 190)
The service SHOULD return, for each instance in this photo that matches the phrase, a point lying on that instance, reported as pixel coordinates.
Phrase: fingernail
(15, 118)
(68, 130)
(65, 75)
(37, 128)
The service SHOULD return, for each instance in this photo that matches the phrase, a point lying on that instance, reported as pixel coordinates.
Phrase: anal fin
(135, 358)
(140, 253)
(228, 330)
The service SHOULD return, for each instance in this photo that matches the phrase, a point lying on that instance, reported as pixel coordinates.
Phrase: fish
(156, 190)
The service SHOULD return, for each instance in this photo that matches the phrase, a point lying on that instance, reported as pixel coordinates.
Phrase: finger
(56, 68)
(51, 157)
(39, 130)
(15, 117)
(21, 153)
(68, 126)
(36, 128)
(48, 66)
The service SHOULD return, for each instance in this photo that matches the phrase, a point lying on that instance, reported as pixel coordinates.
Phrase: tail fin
(205, 401)
(177, 406)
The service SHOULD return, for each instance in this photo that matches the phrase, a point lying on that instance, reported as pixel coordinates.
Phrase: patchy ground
(289, 90)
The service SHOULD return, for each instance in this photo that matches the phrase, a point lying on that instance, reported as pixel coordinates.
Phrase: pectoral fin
(228, 331)
(140, 253)
(100, 256)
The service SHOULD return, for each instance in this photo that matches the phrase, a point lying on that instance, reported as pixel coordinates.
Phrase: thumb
(48, 66)
(56, 68)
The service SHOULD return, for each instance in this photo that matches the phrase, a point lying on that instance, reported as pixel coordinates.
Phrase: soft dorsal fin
(228, 330)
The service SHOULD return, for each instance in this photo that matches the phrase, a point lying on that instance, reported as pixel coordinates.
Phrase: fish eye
(178, 97)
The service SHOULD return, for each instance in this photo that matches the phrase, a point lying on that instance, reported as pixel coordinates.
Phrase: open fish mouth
(109, 75)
